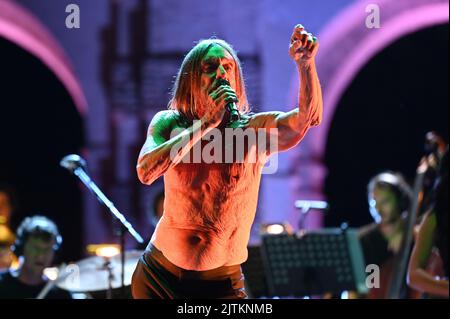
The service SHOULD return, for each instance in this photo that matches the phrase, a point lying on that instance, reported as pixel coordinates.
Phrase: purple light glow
(346, 45)
(20, 27)
(406, 23)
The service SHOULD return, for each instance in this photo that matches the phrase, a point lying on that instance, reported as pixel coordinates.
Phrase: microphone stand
(306, 205)
(124, 225)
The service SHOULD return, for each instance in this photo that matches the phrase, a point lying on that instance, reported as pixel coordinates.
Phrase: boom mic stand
(77, 165)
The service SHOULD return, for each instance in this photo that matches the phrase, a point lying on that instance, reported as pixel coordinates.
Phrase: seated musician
(389, 197)
(37, 240)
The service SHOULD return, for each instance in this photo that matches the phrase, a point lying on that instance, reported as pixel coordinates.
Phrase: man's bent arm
(161, 152)
(292, 126)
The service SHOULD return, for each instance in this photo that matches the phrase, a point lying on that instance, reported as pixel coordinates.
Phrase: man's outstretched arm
(292, 126)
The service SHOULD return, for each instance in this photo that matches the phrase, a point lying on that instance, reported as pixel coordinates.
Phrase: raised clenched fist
(303, 46)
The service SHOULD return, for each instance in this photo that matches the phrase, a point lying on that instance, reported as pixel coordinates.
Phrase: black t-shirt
(12, 288)
(374, 245)
(376, 251)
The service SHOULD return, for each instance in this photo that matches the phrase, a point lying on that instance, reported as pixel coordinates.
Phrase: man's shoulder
(165, 116)
(368, 230)
(371, 236)
(5, 275)
(7, 283)
(164, 121)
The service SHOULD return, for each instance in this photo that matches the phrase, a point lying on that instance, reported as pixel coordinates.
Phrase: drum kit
(99, 277)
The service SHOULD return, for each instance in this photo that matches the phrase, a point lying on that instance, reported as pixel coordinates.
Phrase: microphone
(72, 162)
(231, 106)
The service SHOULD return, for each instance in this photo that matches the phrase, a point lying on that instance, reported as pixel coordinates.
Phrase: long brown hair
(186, 91)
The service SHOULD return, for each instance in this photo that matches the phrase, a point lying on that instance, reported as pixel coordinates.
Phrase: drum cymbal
(91, 274)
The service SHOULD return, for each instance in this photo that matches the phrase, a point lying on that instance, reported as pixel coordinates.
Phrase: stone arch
(346, 45)
(20, 27)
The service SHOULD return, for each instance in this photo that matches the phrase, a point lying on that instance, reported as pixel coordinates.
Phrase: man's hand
(303, 46)
(220, 97)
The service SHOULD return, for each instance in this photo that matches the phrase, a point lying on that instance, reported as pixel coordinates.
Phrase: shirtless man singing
(201, 240)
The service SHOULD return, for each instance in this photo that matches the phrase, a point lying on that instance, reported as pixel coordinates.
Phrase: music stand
(255, 277)
(312, 263)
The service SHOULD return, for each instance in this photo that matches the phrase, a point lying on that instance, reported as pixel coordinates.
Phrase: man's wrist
(306, 65)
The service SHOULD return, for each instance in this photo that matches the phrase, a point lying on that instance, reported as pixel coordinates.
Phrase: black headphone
(35, 225)
(397, 184)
